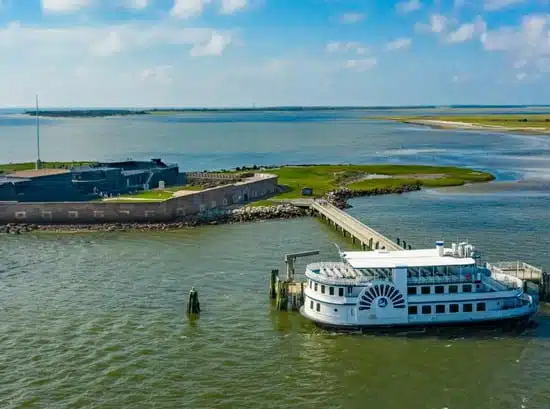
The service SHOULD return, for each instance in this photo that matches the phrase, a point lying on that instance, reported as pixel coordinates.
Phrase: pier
(359, 233)
(290, 293)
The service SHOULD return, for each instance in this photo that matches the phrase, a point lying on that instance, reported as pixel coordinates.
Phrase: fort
(83, 183)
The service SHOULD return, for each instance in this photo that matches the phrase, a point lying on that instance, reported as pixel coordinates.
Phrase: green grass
(514, 121)
(15, 167)
(261, 203)
(186, 187)
(324, 178)
(157, 195)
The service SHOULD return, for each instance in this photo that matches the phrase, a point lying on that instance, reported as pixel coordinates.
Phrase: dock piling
(193, 305)
(282, 295)
(273, 284)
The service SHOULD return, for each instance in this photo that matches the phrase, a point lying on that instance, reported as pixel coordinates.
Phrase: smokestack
(440, 248)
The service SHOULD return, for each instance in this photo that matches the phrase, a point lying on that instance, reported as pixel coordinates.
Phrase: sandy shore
(440, 124)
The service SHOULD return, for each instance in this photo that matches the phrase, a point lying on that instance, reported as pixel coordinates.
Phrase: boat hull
(519, 322)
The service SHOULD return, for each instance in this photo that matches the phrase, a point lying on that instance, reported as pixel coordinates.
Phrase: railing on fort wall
(216, 176)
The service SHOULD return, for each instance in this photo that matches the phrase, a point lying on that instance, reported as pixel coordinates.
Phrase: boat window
(315, 287)
(426, 309)
(311, 304)
(425, 290)
(439, 289)
(411, 291)
(440, 309)
(331, 290)
(467, 308)
(350, 290)
(453, 288)
(467, 288)
(341, 292)
(481, 306)
(318, 307)
(413, 309)
(322, 289)
(453, 308)
(310, 284)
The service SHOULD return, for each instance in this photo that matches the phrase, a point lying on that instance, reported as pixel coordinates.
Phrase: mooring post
(273, 284)
(282, 295)
(193, 305)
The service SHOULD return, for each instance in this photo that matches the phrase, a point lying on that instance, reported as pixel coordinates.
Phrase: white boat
(413, 288)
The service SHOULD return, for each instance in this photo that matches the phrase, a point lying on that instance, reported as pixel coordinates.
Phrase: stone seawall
(74, 213)
(227, 216)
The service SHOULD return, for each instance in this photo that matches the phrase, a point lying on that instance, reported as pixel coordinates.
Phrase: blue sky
(224, 53)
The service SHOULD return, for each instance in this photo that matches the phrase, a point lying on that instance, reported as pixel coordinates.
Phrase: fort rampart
(254, 188)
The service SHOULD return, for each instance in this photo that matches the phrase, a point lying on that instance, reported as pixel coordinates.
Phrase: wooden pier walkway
(359, 232)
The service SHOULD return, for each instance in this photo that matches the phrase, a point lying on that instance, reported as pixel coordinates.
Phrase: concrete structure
(38, 185)
(255, 188)
(87, 182)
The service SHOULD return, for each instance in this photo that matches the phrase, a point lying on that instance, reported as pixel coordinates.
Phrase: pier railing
(517, 269)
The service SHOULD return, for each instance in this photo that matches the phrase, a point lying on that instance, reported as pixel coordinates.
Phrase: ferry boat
(413, 288)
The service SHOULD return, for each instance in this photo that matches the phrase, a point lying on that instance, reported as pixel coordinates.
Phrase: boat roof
(402, 258)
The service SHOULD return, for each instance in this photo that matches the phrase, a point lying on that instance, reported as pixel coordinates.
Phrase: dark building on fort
(87, 182)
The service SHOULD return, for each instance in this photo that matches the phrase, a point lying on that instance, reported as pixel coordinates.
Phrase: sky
(243, 53)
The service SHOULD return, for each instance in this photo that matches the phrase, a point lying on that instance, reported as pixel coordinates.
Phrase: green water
(97, 321)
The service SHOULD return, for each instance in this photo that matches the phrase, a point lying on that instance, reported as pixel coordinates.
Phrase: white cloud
(214, 46)
(353, 46)
(521, 76)
(520, 63)
(530, 39)
(103, 41)
(361, 65)
(184, 9)
(437, 24)
(109, 45)
(492, 5)
(399, 44)
(160, 74)
(351, 18)
(232, 6)
(464, 33)
(408, 6)
(455, 78)
(63, 6)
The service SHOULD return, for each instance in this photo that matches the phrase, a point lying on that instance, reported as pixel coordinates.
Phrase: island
(85, 113)
(519, 123)
(294, 188)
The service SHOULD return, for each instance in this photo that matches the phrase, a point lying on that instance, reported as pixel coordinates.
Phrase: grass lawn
(324, 178)
(157, 195)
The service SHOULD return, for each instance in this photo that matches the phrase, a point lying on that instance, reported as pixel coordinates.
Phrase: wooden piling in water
(273, 284)
(282, 295)
(545, 287)
(193, 305)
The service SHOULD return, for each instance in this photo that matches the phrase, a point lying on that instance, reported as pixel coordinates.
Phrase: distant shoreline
(530, 123)
(116, 112)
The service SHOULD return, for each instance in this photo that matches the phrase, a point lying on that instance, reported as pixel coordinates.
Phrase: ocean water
(97, 320)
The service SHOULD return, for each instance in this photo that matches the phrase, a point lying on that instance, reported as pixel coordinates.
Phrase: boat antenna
(37, 135)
